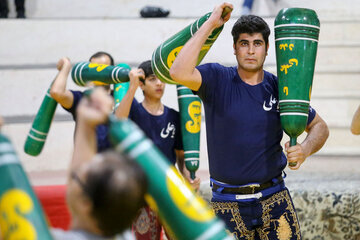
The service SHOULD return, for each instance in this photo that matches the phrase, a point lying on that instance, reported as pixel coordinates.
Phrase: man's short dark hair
(116, 190)
(250, 24)
(100, 54)
(146, 66)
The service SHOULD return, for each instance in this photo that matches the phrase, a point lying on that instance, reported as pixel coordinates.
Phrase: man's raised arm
(123, 110)
(58, 89)
(183, 69)
(91, 112)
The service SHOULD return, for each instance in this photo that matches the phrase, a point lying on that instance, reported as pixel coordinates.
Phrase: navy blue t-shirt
(102, 130)
(242, 125)
(163, 130)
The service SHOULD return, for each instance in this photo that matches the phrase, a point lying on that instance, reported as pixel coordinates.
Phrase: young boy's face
(153, 87)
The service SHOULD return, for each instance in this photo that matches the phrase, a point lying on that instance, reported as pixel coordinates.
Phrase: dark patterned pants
(269, 218)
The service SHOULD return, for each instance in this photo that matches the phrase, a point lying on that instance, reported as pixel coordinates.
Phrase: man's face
(250, 51)
(153, 87)
(75, 195)
(77, 198)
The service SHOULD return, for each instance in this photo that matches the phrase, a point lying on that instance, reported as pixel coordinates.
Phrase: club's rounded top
(297, 16)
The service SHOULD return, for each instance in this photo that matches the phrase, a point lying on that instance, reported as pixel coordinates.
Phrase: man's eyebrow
(243, 41)
(256, 40)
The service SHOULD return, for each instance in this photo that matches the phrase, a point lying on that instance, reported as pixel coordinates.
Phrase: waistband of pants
(251, 188)
(249, 197)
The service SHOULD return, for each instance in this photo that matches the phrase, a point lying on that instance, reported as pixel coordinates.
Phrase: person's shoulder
(216, 70)
(270, 78)
(135, 106)
(214, 66)
(60, 234)
(170, 110)
(135, 103)
(77, 94)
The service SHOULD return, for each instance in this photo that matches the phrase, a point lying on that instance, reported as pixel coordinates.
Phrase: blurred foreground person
(105, 190)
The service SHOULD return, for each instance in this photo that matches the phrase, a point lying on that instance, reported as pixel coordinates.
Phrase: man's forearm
(188, 56)
(181, 165)
(315, 138)
(123, 109)
(85, 144)
(59, 84)
(58, 89)
(183, 67)
(180, 160)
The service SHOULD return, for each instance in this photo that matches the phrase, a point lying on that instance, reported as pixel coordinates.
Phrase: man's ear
(234, 47)
(142, 85)
(267, 49)
(84, 205)
(88, 205)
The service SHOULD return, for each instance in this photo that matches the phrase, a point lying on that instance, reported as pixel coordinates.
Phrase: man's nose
(158, 82)
(251, 49)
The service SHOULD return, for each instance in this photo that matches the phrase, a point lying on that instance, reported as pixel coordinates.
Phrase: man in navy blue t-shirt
(244, 131)
(162, 125)
(70, 99)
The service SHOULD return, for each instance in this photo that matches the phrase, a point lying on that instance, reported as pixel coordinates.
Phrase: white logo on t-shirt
(271, 102)
(170, 128)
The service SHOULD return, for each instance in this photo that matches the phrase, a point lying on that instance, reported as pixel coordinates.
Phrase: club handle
(226, 11)
(292, 143)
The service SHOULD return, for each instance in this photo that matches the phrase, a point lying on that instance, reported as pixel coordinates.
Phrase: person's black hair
(116, 190)
(250, 24)
(146, 67)
(100, 54)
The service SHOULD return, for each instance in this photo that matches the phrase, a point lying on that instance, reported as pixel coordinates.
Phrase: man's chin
(158, 96)
(252, 68)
